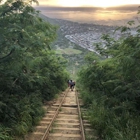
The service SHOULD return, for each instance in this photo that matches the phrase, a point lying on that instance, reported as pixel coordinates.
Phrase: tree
(30, 72)
(112, 92)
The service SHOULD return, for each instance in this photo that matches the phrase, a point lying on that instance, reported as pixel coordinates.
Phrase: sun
(104, 3)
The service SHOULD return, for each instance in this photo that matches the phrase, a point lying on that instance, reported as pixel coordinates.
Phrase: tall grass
(108, 124)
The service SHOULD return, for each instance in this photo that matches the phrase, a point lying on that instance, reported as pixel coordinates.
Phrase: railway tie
(62, 121)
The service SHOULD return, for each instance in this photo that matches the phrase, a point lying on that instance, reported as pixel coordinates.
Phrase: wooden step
(62, 119)
(51, 112)
(67, 123)
(47, 119)
(65, 128)
(69, 115)
(65, 135)
(38, 133)
(87, 124)
(69, 108)
(69, 105)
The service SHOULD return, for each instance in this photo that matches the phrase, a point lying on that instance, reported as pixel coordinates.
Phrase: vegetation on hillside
(110, 87)
(73, 53)
(30, 72)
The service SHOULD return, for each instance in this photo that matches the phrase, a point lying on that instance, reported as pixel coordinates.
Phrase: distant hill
(50, 20)
(74, 40)
(125, 7)
(112, 16)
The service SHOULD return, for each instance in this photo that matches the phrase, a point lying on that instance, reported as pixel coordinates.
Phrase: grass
(51, 130)
(56, 96)
(68, 51)
(60, 109)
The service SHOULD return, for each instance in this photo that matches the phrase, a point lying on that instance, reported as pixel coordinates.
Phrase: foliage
(30, 72)
(111, 87)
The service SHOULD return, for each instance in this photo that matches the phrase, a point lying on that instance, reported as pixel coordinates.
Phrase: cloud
(102, 3)
(48, 2)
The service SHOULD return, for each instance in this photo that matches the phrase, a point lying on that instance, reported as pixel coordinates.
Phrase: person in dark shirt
(69, 81)
(72, 84)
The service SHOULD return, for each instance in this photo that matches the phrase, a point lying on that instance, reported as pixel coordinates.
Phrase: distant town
(87, 35)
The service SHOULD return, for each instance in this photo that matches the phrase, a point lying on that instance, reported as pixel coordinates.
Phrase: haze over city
(104, 16)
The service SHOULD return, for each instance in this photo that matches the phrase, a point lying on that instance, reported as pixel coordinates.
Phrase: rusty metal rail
(81, 121)
(55, 115)
(82, 133)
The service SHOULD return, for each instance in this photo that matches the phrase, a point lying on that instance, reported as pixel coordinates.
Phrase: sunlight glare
(104, 3)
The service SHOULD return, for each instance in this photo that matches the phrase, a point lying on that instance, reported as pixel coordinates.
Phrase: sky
(79, 3)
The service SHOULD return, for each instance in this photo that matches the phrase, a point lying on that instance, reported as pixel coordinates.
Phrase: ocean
(114, 16)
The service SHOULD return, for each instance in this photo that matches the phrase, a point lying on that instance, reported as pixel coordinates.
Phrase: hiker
(72, 84)
(69, 81)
